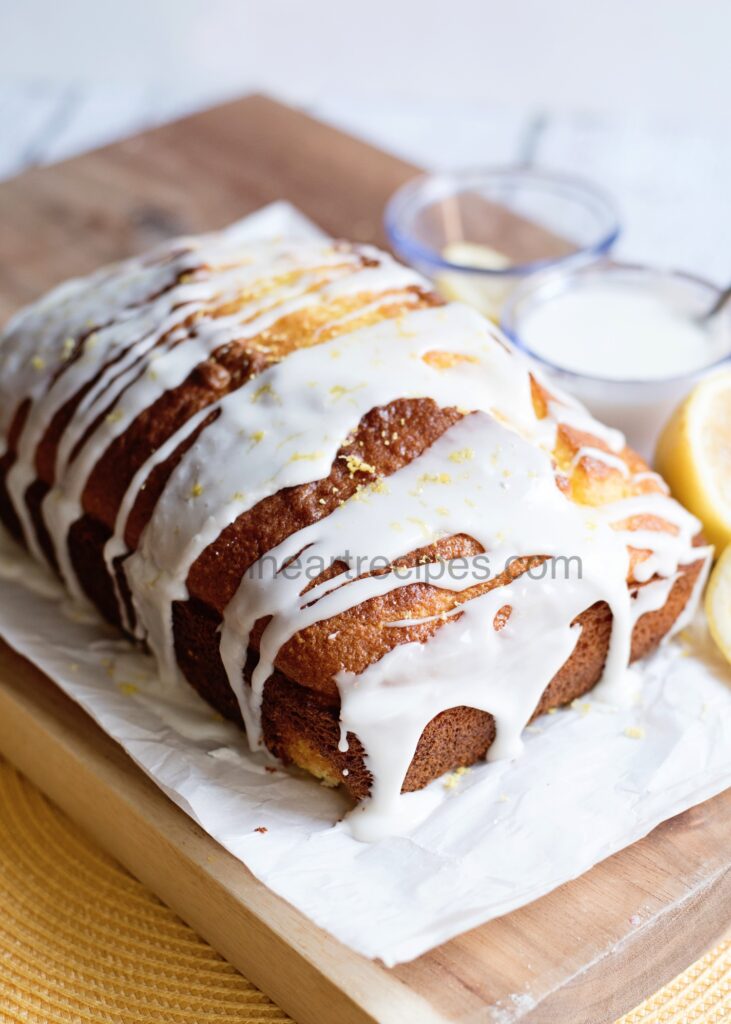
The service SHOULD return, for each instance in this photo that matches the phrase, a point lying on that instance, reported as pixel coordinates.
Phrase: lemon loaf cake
(353, 517)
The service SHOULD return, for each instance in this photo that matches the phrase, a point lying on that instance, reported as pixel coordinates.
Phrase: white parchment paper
(592, 780)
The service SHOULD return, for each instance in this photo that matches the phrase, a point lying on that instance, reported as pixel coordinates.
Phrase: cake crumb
(196, 491)
(261, 829)
(305, 456)
(128, 689)
(582, 706)
(462, 455)
(634, 732)
(435, 478)
(357, 465)
(452, 780)
(261, 391)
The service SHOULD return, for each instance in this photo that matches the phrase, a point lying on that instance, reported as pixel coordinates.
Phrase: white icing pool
(624, 339)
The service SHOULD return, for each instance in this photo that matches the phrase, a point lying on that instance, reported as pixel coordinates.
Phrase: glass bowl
(638, 404)
(477, 234)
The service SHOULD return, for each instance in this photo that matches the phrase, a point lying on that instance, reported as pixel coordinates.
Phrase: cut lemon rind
(718, 604)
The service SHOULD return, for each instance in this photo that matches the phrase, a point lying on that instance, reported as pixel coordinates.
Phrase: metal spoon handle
(718, 305)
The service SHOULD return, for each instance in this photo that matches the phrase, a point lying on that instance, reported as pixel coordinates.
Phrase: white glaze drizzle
(115, 547)
(515, 509)
(654, 477)
(137, 390)
(667, 550)
(652, 597)
(564, 408)
(113, 357)
(285, 427)
(599, 455)
(307, 405)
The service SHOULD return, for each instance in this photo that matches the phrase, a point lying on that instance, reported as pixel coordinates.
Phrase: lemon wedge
(718, 604)
(694, 456)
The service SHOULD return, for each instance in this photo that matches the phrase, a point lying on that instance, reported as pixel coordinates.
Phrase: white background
(633, 93)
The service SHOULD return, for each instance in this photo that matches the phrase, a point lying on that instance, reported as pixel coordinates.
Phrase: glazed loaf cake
(355, 519)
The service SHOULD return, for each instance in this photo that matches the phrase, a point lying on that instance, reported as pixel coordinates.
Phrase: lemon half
(718, 603)
(694, 456)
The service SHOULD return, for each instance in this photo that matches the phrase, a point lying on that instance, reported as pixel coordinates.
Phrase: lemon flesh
(718, 604)
(694, 456)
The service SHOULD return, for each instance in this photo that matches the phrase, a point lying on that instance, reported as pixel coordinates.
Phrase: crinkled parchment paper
(607, 775)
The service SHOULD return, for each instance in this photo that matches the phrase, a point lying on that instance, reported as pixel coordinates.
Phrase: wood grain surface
(585, 953)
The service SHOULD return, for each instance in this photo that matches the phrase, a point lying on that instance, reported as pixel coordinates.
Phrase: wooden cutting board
(585, 953)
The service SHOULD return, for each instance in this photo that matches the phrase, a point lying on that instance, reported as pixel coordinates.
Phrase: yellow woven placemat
(83, 941)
